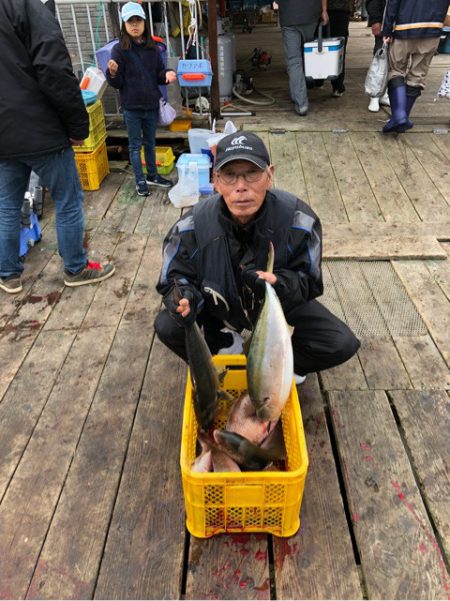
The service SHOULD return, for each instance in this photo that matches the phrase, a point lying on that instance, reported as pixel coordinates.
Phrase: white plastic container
(326, 64)
(94, 81)
(198, 139)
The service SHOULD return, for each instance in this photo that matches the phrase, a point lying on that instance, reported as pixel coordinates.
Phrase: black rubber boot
(397, 98)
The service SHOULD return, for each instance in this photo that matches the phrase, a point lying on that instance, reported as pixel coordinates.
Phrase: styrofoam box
(326, 64)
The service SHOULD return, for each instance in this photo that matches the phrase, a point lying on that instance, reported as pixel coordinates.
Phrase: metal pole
(212, 35)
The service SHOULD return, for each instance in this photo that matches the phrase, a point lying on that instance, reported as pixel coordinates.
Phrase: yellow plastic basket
(164, 159)
(92, 167)
(97, 128)
(265, 501)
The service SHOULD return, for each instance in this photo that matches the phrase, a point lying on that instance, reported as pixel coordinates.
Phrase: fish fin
(222, 374)
(290, 330)
(271, 258)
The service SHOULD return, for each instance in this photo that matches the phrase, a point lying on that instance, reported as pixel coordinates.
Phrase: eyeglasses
(229, 178)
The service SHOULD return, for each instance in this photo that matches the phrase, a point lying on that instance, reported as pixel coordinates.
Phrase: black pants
(320, 340)
(339, 21)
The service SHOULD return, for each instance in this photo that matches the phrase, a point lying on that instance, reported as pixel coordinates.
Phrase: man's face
(245, 195)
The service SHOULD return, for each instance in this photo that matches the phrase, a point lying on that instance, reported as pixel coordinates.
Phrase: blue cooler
(194, 73)
(203, 164)
(444, 44)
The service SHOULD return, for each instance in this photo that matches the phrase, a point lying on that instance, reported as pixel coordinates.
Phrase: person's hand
(113, 67)
(171, 76)
(256, 280)
(325, 18)
(184, 312)
(387, 39)
(267, 276)
(76, 142)
(376, 29)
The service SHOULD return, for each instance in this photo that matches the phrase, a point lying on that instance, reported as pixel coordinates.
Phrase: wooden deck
(91, 503)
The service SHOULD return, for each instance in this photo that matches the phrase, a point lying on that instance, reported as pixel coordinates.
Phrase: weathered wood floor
(90, 402)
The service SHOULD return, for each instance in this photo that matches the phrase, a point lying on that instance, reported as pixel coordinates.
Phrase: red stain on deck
(283, 550)
(261, 555)
(355, 518)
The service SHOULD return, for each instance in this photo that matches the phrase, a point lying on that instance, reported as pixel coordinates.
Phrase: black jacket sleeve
(375, 10)
(43, 38)
(117, 81)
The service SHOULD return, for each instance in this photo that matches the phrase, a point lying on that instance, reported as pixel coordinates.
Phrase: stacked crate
(91, 157)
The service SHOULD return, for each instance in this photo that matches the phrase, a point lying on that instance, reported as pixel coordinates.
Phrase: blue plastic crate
(194, 73)
(444, 44)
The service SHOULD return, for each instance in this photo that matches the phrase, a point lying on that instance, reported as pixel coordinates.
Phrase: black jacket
(415, 18)
(375, 11)
(207, 252)
(141, 70)
(40, 100)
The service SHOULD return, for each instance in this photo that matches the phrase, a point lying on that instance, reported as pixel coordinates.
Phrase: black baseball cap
(242, 146)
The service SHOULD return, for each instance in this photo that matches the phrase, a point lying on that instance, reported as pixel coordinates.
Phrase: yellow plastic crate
(164, 159)
(243, 501)
(92, 167)
(97, 128)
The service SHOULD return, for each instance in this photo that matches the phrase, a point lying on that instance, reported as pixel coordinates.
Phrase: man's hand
(184, 307)
(376, 29)
(113, 67)
(267, 276)
(76, 142)
(325, 18)
(184, 311)
(387, 39)
(171, 76)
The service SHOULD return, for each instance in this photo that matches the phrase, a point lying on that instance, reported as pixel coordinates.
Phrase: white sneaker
(236, 346)
(299, 379)
(384, 100)
(374, 104)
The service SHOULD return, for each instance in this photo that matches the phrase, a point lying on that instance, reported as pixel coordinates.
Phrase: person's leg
(59, 173)
(398, 61)
(14, 176)
(320, 340)
(421, 56)
(149, 125)
(339, 22)
(293, 49)
(134, 121)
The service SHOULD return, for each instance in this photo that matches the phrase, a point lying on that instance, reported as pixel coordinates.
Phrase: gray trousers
(294, 37)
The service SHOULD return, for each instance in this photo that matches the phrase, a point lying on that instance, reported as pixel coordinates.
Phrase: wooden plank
(423, 362)
(288, 167)
(28, 506)
(440, 230)
(71, 308)
(443, 143)
(441, 272)
(144, 550)
(157, 216)
(110, 298)
(382, 365)
(232, 566)
(434, 162)
(400, 556)
(430, 301)
(359, 201)
(75, 541)
(420, 188)
(124, 211)
(348, 376)
(96, 204)
(425, 421)
(19, 334)
(26, 398)
(311, 564)
(322, 189)
(375, 248)
(389, 192)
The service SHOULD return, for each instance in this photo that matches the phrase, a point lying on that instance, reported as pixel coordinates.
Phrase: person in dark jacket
(135, 69)
(42, 115)
(217, 253)
(413, 30)
(375, 11)
(339, 14)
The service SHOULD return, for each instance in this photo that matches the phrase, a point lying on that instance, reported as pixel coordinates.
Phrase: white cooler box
(324, 58)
